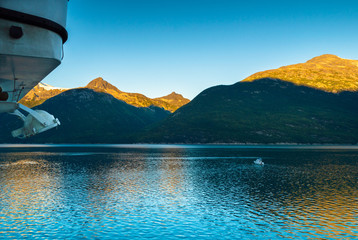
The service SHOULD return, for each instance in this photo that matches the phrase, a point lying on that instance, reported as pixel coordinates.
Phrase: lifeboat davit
(32, 34)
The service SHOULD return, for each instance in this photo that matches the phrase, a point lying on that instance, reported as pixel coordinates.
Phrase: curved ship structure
(32, 34)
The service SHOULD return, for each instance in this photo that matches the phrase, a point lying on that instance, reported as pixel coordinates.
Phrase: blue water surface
(178, 192)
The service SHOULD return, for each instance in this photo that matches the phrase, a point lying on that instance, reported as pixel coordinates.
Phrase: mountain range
(170, 102)
(312, 102)
(42, 92)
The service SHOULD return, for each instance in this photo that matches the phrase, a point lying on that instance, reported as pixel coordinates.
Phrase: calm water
(178, 192)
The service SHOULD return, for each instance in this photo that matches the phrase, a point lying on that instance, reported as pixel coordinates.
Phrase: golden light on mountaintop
(170, 102)
(40, 94)
(326, 72)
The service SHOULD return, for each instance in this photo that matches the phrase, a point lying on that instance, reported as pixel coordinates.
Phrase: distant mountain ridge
(174, 99)
(39, 94)
(42, 92)
(170, 102)
(326, 72)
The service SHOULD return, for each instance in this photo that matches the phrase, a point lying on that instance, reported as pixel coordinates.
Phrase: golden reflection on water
(120, 181)
(25, 185)
(138, 178)
(172, 175)
(327, 207)
(329, 214)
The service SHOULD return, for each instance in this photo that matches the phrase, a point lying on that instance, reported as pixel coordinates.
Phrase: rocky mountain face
(327, 72)
(88, 117)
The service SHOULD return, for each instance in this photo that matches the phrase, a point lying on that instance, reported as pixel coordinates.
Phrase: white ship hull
(32, 33)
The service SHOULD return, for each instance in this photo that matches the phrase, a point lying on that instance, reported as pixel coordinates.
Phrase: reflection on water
(162, 192)
(27, 189)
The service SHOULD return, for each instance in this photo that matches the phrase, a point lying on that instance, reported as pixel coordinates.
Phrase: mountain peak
(40, 93)
(324, 57)
(45, 86)
(172, 101)
(327, 72)
(48, 86)
(329, 59)
(100, 84)
(174, 95)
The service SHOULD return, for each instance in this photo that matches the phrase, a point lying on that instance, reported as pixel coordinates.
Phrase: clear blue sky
(155, 47)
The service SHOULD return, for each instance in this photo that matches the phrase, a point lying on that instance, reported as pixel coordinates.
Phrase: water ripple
(174, 193)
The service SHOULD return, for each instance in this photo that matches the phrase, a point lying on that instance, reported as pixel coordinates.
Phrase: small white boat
(259, 161)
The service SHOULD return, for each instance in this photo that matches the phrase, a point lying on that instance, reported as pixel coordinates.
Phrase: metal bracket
(37, 121)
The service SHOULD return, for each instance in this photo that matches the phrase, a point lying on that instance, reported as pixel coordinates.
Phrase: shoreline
(181, 145)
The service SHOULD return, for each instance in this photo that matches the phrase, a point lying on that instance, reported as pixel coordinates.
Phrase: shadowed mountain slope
(263, 111)
(89, 117)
